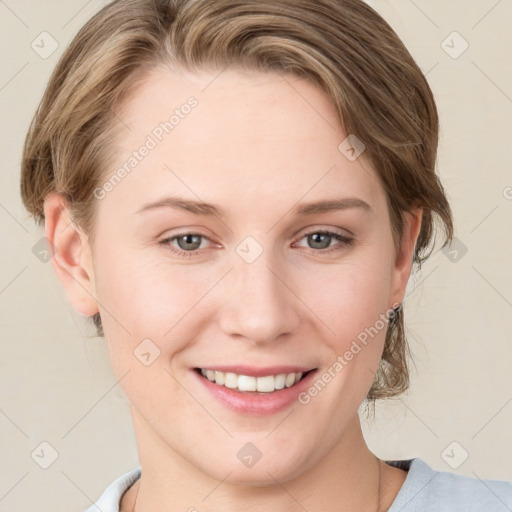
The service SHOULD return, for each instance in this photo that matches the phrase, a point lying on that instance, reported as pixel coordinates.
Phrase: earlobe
(71, 255)
(404, 257)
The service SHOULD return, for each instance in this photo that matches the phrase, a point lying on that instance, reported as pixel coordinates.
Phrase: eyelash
(346, 242)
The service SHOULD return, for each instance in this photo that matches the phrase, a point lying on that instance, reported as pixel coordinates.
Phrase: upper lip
(254, 371)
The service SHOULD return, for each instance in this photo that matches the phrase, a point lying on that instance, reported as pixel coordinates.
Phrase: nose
(257, 302)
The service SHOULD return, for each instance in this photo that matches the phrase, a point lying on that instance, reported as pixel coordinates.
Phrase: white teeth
(220, 377)
(290, 379)
(231, 380)
(280, 381)
(265, 384)
(246, 383)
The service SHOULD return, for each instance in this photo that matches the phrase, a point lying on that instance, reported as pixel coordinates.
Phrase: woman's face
(261, 288)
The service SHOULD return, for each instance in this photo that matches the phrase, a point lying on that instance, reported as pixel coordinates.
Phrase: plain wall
(56, 385)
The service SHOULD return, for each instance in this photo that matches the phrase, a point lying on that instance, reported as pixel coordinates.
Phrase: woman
(236, 193)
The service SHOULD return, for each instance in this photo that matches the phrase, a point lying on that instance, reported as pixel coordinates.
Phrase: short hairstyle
(343, 46)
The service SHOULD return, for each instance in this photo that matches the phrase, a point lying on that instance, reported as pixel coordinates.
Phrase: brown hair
(342, 46)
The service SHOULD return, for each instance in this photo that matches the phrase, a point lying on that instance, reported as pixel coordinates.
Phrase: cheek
(144, 311)
(149, 306)
(349, 298)
(145, 295)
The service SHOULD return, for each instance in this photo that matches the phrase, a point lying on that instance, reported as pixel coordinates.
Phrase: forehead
(235, 134)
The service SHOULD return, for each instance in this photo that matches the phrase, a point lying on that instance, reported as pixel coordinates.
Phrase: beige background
(56, 385)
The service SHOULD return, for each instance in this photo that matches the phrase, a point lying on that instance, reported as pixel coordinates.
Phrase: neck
(348, 479)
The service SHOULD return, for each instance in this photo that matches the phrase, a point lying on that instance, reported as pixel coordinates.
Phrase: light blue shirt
(424, 490)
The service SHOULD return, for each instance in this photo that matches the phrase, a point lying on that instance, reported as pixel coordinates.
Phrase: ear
(70, 255)
(404, 256)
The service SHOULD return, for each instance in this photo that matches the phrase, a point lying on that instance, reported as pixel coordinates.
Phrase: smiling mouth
(248, 383)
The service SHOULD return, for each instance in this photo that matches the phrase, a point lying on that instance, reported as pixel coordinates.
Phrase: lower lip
(256, 403)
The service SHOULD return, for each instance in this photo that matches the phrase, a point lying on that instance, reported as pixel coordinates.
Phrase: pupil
(188, 240)
(316, 237)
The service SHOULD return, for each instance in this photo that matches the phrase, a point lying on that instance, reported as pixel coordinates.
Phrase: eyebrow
(201, 208)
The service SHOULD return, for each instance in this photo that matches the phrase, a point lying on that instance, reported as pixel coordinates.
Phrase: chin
(262, 476)
(263, 470)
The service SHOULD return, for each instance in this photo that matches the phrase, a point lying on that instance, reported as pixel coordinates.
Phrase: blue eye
(189, 243)
(184, 239)
(319, 237)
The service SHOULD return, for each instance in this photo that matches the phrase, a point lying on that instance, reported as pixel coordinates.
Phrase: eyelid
(166, 241)
(343, 240)
(321, 228)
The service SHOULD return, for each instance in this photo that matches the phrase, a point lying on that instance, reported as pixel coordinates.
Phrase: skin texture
(256, 144)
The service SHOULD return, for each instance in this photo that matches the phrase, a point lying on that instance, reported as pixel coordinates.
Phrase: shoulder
(428, 490)
(109, 500)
